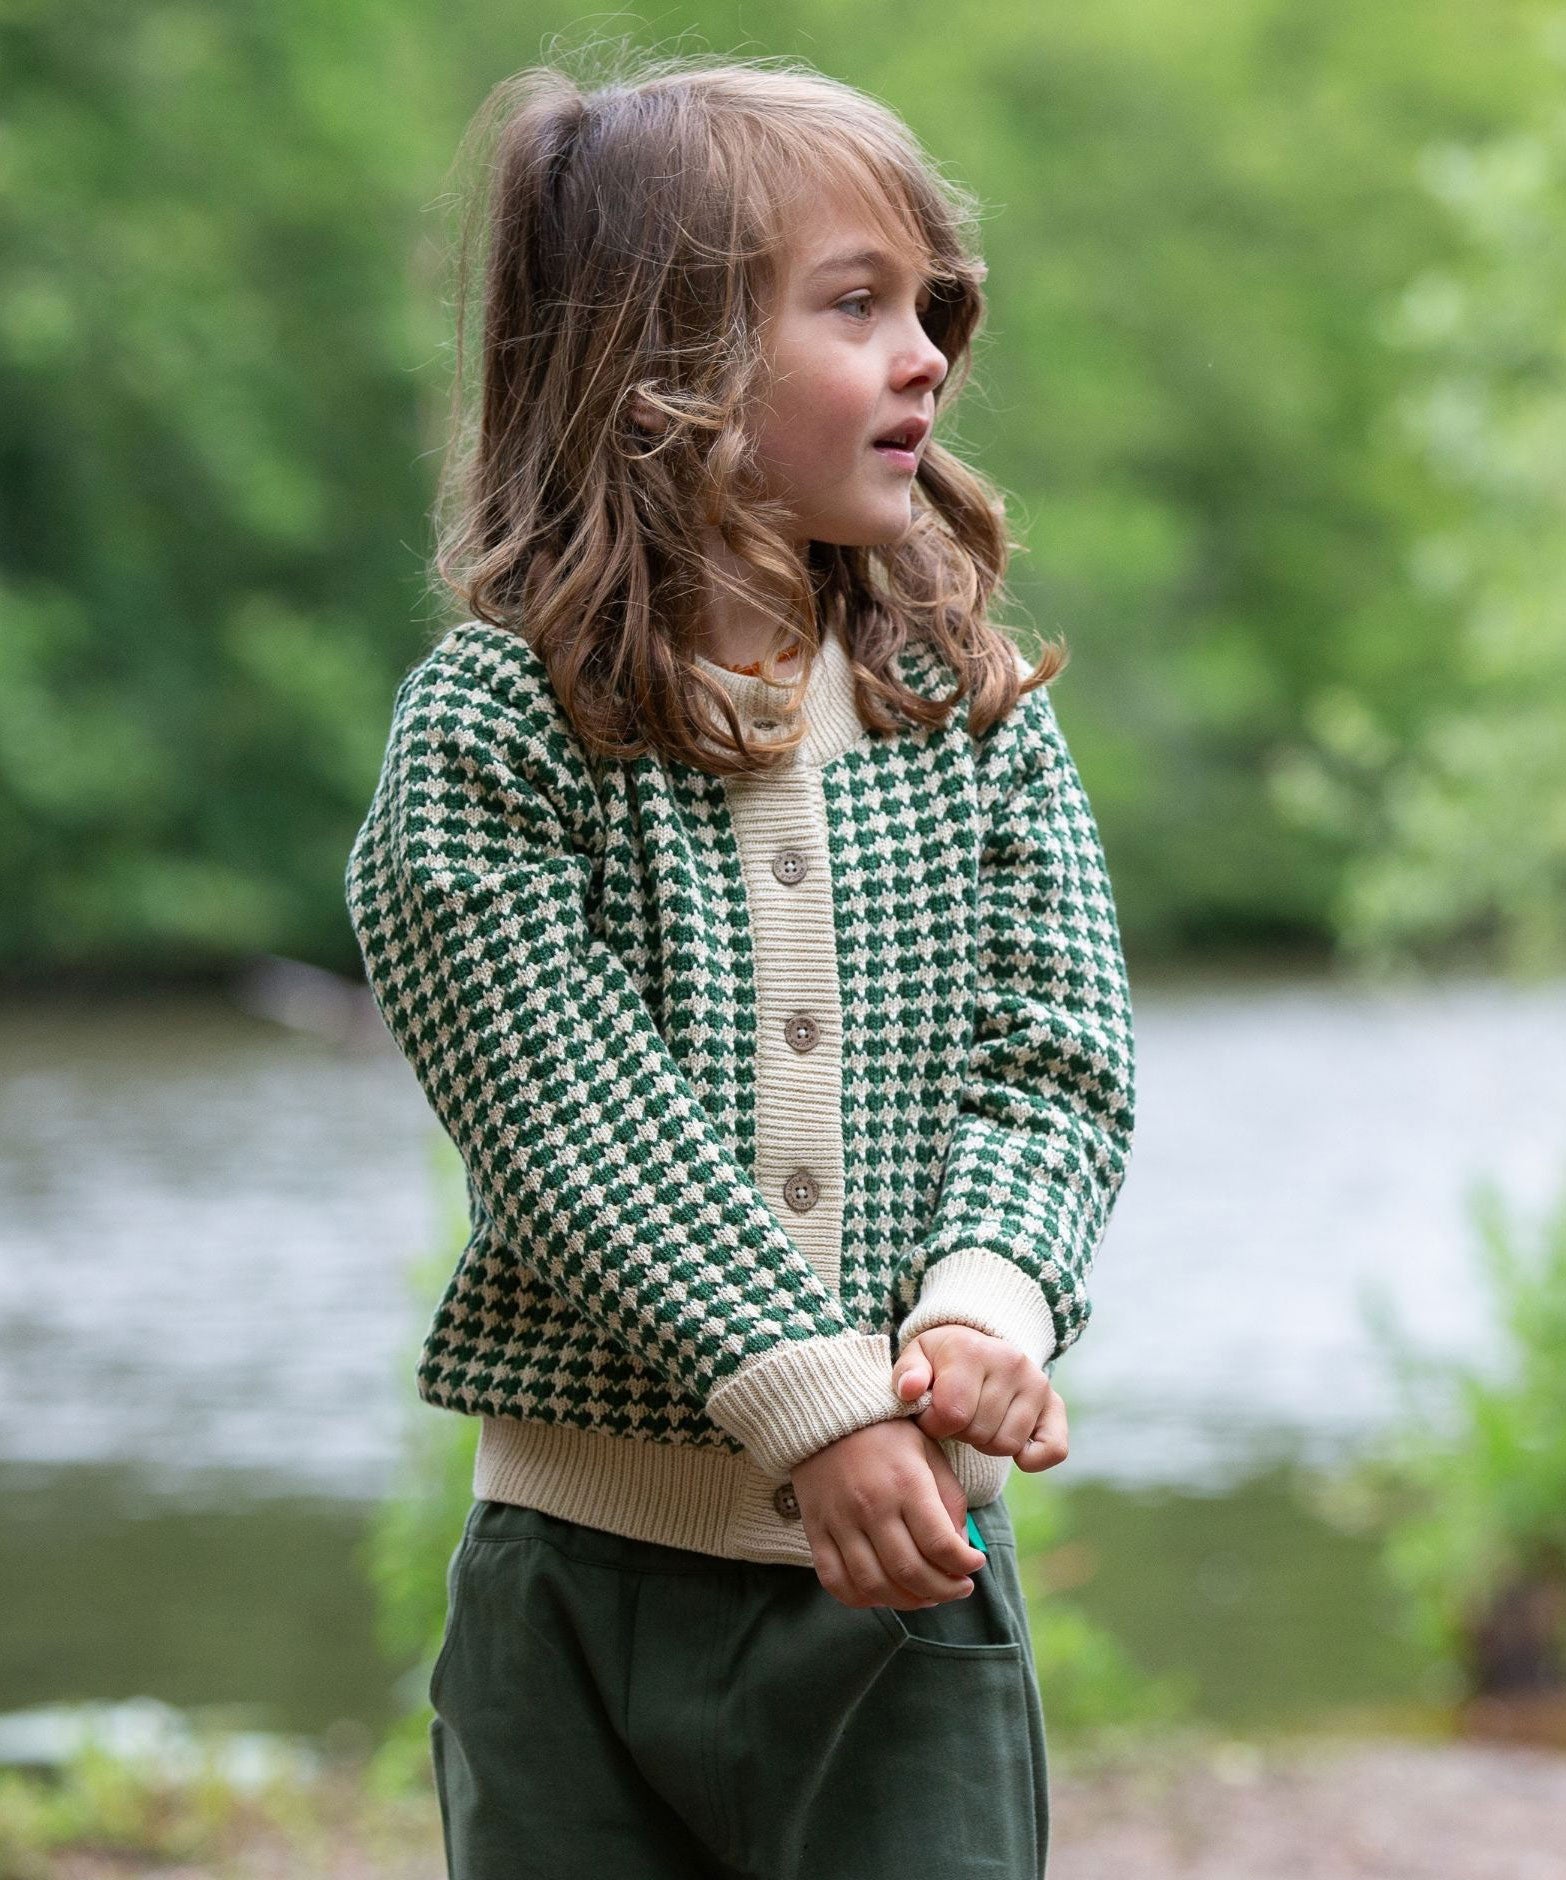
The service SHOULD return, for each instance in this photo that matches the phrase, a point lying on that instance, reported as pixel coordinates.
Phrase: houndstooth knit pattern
(561, 948)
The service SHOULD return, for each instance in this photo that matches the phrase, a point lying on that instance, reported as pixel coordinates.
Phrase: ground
(1199, 1809)
(1318, 1809)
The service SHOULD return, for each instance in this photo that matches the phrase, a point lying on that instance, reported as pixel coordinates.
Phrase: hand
(987, 1393)
(886, 1519)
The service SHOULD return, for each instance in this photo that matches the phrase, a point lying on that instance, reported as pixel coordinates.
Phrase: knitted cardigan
(752, 1078)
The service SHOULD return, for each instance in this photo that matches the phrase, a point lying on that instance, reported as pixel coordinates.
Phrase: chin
(870, 533)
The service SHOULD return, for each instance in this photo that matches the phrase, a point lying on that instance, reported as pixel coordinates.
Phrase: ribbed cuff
(982, 1289)
(806, 1393)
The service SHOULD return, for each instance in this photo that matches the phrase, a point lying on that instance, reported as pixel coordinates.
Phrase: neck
(738, 629)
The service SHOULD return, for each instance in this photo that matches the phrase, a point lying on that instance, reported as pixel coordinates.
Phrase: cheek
(819, 419)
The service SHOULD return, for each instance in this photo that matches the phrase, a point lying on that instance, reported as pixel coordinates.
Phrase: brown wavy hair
(634, 232)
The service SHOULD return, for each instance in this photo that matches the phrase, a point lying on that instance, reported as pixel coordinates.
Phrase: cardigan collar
(829, 709)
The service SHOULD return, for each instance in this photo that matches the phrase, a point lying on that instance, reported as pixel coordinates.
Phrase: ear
(643, 415)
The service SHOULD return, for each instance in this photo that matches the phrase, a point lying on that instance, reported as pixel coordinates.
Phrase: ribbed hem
(976, 1287)
(707, 1500)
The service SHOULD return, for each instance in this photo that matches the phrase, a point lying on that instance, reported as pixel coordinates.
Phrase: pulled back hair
(632, 237)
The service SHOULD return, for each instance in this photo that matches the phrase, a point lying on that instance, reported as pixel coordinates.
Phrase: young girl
(773, 997)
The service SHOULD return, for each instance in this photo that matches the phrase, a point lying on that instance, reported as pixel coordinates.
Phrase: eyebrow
(855, 258)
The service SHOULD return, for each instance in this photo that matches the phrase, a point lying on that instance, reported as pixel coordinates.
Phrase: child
(774, 1000)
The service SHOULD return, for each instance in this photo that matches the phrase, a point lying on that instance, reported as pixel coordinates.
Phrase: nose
(924, 363)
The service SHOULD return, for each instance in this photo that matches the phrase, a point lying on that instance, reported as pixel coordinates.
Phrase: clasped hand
(986, 1393)
(882, 1508)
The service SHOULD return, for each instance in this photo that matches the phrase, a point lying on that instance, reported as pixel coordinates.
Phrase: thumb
(911, 1374)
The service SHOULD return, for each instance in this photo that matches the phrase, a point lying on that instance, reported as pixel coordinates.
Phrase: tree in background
(223, 337)
(1461, 826)
(211, 481)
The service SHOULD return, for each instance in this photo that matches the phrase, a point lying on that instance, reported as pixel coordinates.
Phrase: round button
(790, 866)
(786, 1502)
(800, 1191)
(802, 1032)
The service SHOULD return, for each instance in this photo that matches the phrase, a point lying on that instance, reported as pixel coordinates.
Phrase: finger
(867, 1578)
(953, 1400)
(1049, 1443)
(940, 1534)
(911, 1376)
(951, 1494)
(906, 1570)
(997, 1402)
(829, 1565)
(1021, 1424)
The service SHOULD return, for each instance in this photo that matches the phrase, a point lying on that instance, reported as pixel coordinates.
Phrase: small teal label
(974, 1535)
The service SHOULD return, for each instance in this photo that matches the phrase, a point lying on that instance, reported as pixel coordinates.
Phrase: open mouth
(900, 447)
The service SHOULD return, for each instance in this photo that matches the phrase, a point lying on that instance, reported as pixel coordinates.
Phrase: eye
(864, 298)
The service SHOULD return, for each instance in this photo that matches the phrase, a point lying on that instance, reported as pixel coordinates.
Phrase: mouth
(900, 446)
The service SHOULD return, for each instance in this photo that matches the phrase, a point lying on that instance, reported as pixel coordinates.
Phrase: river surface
(221, 1237)
(211, 1228)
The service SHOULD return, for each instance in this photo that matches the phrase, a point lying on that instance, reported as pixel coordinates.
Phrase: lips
(904, 459)
(907, 436)
(904, 462)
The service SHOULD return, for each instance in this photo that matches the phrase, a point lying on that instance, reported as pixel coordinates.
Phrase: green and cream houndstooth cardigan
(752, 1078)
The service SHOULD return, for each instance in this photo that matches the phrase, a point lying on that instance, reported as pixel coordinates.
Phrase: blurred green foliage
(408, 1549)
(1273, 420)
(1462, 827)
(1468, 1487)
(210, 456)
(1095, 1691)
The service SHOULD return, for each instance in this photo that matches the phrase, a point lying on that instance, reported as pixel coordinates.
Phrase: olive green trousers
(613, 1709)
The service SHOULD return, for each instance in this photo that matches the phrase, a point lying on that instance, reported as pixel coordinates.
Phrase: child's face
(849, 361)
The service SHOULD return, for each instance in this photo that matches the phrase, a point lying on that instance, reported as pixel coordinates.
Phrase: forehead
(845, 234)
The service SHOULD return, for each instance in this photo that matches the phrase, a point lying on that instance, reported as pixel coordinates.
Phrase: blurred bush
(410, 1542)
(1457, 832)
(224, 372)
(1469, 1488)
(1094, 1692)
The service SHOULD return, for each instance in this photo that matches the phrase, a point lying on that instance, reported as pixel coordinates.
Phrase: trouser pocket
(869, 1743)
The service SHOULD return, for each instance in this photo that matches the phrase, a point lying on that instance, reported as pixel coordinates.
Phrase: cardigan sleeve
(1041, 1142)
(599, 1167)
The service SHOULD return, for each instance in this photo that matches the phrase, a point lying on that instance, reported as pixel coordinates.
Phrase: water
(209, 1224)
(250, 1608)
(211, 1229)
(215, 1269)
(1300, 1150)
